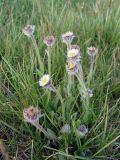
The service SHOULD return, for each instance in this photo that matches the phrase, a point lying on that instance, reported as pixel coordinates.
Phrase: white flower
(72, 67)
(65, 129)
(49, 40)
(67, 37)
(31, 114)
(45, 80)
(73, 54)
(92, 51)
(29, 30)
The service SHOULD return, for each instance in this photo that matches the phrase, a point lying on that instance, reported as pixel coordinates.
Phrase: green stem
(38, 55)
(69, 87)
(91, 71)
(62, 102)
(83, 92)
(85, 100)
(68, 46)
(49, 60)
(66, 142)
(40, 128)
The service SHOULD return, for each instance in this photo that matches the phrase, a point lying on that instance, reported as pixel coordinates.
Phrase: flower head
(73, 54)
(31, 114)
(29, 30)
(72, 67)
(92, 51)
(45, 80)
(65, 128)
(67, 37)
(49, 40)
(82, 130)
(74, 46)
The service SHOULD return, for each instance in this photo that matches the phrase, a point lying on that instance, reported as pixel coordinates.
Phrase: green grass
(93, 23)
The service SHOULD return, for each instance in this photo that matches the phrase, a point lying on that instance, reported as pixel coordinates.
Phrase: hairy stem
(49, 60)
(91, 71)
(38, 55)
(40, 128)
(69, 87)
(83, 92)
(62, 102)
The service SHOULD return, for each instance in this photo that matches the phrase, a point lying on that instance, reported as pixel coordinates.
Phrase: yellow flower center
(71, 65)
(45, 80)
(72, 53)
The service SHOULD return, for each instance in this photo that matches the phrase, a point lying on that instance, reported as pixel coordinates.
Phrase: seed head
(67, 37)
(49, 40)
(74, 47)
(92, 51)
(31, 114)
(29, 30)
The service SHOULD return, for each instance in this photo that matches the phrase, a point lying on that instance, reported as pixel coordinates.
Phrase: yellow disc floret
(72, 53)
(71, 65)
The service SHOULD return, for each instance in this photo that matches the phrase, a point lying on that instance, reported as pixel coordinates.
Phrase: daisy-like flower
(45, 81)
(72, 67)
(67, 37)
(65, 129)
(82, 130)
(49, 40)
(31, 114)
(74, 46)
(29, 30)
(92, 51)
(73, 54)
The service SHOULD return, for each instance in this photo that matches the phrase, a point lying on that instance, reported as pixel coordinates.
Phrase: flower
(73, 54)
(31, 114)
(49, 40)
(74, 47)
(82, 130)
(65, 129)
(92, 51)
(45, 80)
(29, 30)
(67, 37)
(72, 67)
